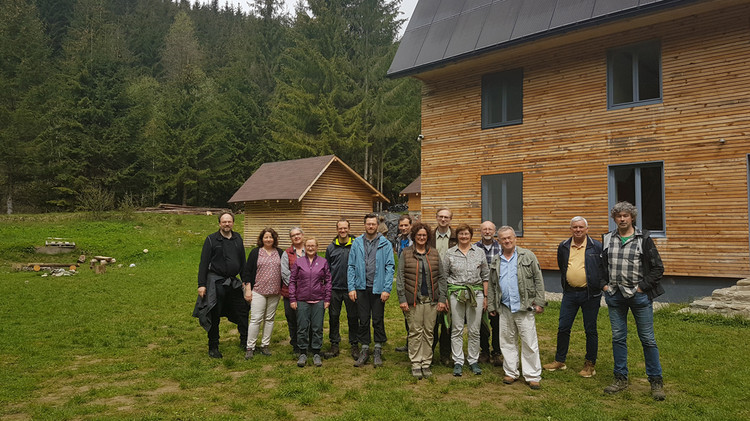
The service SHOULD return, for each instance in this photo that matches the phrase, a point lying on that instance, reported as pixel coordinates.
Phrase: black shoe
(404, 348)
(355, 352)
(215, 353)
(334, 352)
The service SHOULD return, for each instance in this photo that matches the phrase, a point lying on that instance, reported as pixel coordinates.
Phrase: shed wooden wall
(415, 204)
(568, 138)
(336, 194)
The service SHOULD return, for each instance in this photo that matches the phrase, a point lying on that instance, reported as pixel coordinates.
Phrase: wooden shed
(312, 193)
(413, 193)
(535, 111)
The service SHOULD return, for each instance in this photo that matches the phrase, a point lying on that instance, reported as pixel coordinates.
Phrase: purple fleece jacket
(310, 281)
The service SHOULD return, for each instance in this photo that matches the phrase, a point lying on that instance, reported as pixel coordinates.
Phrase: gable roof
(442, 31)
(414, 187)
(291, 180)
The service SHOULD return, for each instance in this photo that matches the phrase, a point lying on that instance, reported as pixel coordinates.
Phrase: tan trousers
(421, 324)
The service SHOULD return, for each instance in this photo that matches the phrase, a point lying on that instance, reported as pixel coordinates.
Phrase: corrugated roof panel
(534, 16)
(498, 27)
(605, 7)
(408, 49)
(467, 31)
(571, 11)
(437, 41)
(423, 14)
(448, 9)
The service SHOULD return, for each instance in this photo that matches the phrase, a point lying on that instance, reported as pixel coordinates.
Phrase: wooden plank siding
(568, 138)
(335, 194)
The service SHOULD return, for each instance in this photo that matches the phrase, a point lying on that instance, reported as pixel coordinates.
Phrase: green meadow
(123, 345)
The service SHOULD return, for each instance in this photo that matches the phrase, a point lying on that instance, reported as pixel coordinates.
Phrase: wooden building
(535, 111)
(312, 193)
(413, 193)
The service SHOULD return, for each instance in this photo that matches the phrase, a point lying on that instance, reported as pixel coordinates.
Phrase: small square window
(502, 99)
(634, 75)
(502, 200)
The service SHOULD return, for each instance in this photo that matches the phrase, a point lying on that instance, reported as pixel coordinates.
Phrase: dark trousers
(369, 305)
(484, 335)
(334, 314)
(571, 302)
(443, 337)
(310, 326)
(291, 321)
(230, 302)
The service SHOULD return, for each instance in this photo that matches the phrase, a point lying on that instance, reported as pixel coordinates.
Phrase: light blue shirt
(511, 298)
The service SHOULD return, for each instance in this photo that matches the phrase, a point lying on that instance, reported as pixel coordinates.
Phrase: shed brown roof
(414, 187)
(291, 180)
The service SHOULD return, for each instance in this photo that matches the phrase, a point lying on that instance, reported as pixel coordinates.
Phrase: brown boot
(334, 352)
(355, 352)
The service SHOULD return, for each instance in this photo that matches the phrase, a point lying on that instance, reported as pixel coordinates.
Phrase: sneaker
(535, 385)
(484, 357)
(618, 385)
(426, 372)
(475, 369)
(417, 372)
(588, 370)
(377, 357)
(249, 354)
(508, 379)
(657, 389)
(457, 369)
(497, 359)
(302, 360)
(264, 350)
(316, 360)
(554, 366)
(214, 353)
(355, 352)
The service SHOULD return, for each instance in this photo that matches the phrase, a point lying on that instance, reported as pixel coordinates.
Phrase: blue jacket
(592, 264)
(384, 266)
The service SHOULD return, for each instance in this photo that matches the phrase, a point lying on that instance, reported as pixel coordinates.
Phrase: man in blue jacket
(370, 278)
(579, 260)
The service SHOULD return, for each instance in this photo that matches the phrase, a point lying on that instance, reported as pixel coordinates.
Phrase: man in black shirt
(220, 291)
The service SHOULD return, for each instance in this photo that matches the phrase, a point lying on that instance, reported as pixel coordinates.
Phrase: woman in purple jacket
(310, 295)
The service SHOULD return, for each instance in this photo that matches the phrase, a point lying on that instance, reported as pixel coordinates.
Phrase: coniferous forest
(112, 103)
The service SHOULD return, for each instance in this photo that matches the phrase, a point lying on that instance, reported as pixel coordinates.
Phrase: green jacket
(530, 281)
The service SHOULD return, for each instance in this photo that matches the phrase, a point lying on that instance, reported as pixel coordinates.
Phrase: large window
(642, 185)
(502, 99)
(502, 200)
(634, 75)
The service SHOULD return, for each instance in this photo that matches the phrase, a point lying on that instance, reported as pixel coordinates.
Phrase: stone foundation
(730, 302)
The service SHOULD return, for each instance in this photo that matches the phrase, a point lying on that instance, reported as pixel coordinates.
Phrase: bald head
(488, 231)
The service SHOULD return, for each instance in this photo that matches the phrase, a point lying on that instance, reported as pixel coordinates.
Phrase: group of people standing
(445, 284)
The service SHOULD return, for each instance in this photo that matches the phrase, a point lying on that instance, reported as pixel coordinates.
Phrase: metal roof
(291, 180)
(414, 187)
(442, 31)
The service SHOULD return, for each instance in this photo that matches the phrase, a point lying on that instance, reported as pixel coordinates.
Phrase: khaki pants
(512, 326)
(421, 329)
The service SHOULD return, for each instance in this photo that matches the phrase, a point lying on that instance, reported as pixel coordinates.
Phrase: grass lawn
(123, 345)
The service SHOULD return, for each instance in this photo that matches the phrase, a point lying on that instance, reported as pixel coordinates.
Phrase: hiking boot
(316, 360)
(377, 357)
(657, 389)
(417, 372)
(214, 353)
(475, 369)
(426, 372)
(264, 350)
(588, 369)
(535, 385)
(334, 352)
(618, 385)
(302, 360)
(484, 357)
(364, 355)
(457, 370)
(355, 352)
(554, 366)
(497, 359)
(249, 354)
(508, 379)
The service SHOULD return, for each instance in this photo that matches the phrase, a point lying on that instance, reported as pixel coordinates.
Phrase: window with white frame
(642, 185)
(502, 200)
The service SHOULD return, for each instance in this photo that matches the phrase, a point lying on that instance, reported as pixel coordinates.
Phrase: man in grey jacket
(516, 294)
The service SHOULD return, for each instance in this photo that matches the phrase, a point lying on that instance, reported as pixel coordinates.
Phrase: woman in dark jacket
(262, 282)
(421, 289)
(310, 295)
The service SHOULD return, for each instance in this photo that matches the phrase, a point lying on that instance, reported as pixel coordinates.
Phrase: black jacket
(215, 259)
(653, 268)
(594, 279)
(337, 256)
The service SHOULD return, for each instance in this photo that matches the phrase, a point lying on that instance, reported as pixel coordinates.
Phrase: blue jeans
(571, 302)
(643, 313)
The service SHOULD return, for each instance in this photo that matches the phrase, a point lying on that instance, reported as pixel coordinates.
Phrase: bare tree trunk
(367, 163)
(9, 203)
